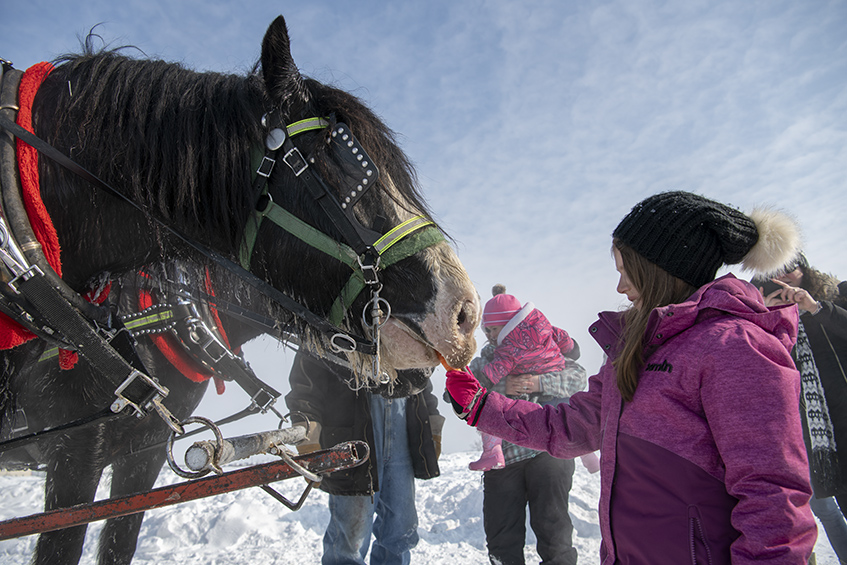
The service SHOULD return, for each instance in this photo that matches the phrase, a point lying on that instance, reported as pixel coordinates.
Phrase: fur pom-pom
(779, 242)
(498, 289)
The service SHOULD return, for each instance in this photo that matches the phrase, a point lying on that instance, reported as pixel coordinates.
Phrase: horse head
(192, 151)
(434, 306)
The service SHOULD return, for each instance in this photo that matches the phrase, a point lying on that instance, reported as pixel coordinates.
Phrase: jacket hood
(726, 296)
(522, 315)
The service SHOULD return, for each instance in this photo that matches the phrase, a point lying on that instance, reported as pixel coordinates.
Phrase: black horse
(183, 147)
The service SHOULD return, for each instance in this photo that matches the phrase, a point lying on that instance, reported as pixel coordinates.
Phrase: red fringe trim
(13, 334)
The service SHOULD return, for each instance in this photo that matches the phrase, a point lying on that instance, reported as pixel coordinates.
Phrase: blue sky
(536, 125)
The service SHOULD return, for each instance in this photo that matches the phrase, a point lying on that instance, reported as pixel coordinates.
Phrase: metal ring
(340, 348)
(219, 441)
(287, 417)
(376, 301)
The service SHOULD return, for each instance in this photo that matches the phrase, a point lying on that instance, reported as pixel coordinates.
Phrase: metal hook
(347, 344)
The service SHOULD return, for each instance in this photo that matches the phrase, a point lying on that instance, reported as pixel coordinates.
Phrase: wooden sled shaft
(342, 456)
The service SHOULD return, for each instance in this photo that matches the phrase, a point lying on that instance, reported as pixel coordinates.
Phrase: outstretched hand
(466, 395)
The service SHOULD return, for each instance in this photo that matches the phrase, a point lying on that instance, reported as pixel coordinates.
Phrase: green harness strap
(251, 230)
(410, 244)
(300, 229)
(401, 242)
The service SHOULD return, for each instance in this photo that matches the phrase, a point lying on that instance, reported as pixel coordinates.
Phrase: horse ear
(282, 79)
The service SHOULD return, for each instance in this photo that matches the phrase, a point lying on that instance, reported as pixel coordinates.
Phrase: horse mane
(180, 142)
(175, 141)
(183, 145)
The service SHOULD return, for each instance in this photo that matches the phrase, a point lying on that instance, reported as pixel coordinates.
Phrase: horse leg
(130, 475)
(70, 480)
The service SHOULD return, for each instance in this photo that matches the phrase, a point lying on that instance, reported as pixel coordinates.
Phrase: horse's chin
(402, 348)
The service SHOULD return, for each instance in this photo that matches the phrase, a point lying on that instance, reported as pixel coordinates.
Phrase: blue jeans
(351, 518)
(833, 522)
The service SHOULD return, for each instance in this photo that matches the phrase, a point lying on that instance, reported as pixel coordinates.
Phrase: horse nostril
(465, 319)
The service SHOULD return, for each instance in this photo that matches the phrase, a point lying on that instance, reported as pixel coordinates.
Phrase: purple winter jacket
(707, 463)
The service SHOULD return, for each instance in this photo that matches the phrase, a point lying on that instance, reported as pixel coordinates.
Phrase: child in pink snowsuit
(525, 343)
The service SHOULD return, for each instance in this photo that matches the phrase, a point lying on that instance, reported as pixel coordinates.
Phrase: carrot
(444, 363)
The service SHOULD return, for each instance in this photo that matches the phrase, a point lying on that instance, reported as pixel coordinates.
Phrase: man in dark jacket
(404, 438)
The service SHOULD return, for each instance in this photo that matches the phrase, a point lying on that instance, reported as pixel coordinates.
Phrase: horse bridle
(365, 250)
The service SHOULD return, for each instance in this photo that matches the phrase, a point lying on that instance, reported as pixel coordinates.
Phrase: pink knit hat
(500, 309)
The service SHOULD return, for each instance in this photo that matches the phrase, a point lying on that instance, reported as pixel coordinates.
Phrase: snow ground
(249, 527)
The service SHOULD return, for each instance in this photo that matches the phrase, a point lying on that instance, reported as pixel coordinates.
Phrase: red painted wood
(342, 456)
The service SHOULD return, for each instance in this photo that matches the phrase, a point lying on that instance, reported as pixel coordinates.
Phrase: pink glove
(466, 395)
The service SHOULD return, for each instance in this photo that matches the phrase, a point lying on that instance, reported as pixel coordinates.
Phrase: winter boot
(492, 455)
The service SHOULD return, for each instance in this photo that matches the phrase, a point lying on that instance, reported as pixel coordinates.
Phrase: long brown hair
(656, 288)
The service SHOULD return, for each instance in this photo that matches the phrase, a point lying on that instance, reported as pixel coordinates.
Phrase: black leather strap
(362, 345)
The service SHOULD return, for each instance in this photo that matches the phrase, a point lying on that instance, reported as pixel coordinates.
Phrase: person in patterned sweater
(523, 343)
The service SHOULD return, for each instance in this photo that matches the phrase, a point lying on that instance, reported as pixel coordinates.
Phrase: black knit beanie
(687, 235)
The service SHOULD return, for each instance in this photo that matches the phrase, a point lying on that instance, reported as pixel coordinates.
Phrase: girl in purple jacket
(695, 410)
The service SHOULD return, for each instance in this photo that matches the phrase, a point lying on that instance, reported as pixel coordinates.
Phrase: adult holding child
(695, 410)
(526, 357)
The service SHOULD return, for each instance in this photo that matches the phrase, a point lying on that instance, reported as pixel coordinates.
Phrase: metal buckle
(25, 275)
(294, 159)
(266, 166)
(370, 271)
(122, 402)
(348, 341)
(263, 404)
(220, 350)
(19, 421)
(202, 335)
(14, 258)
